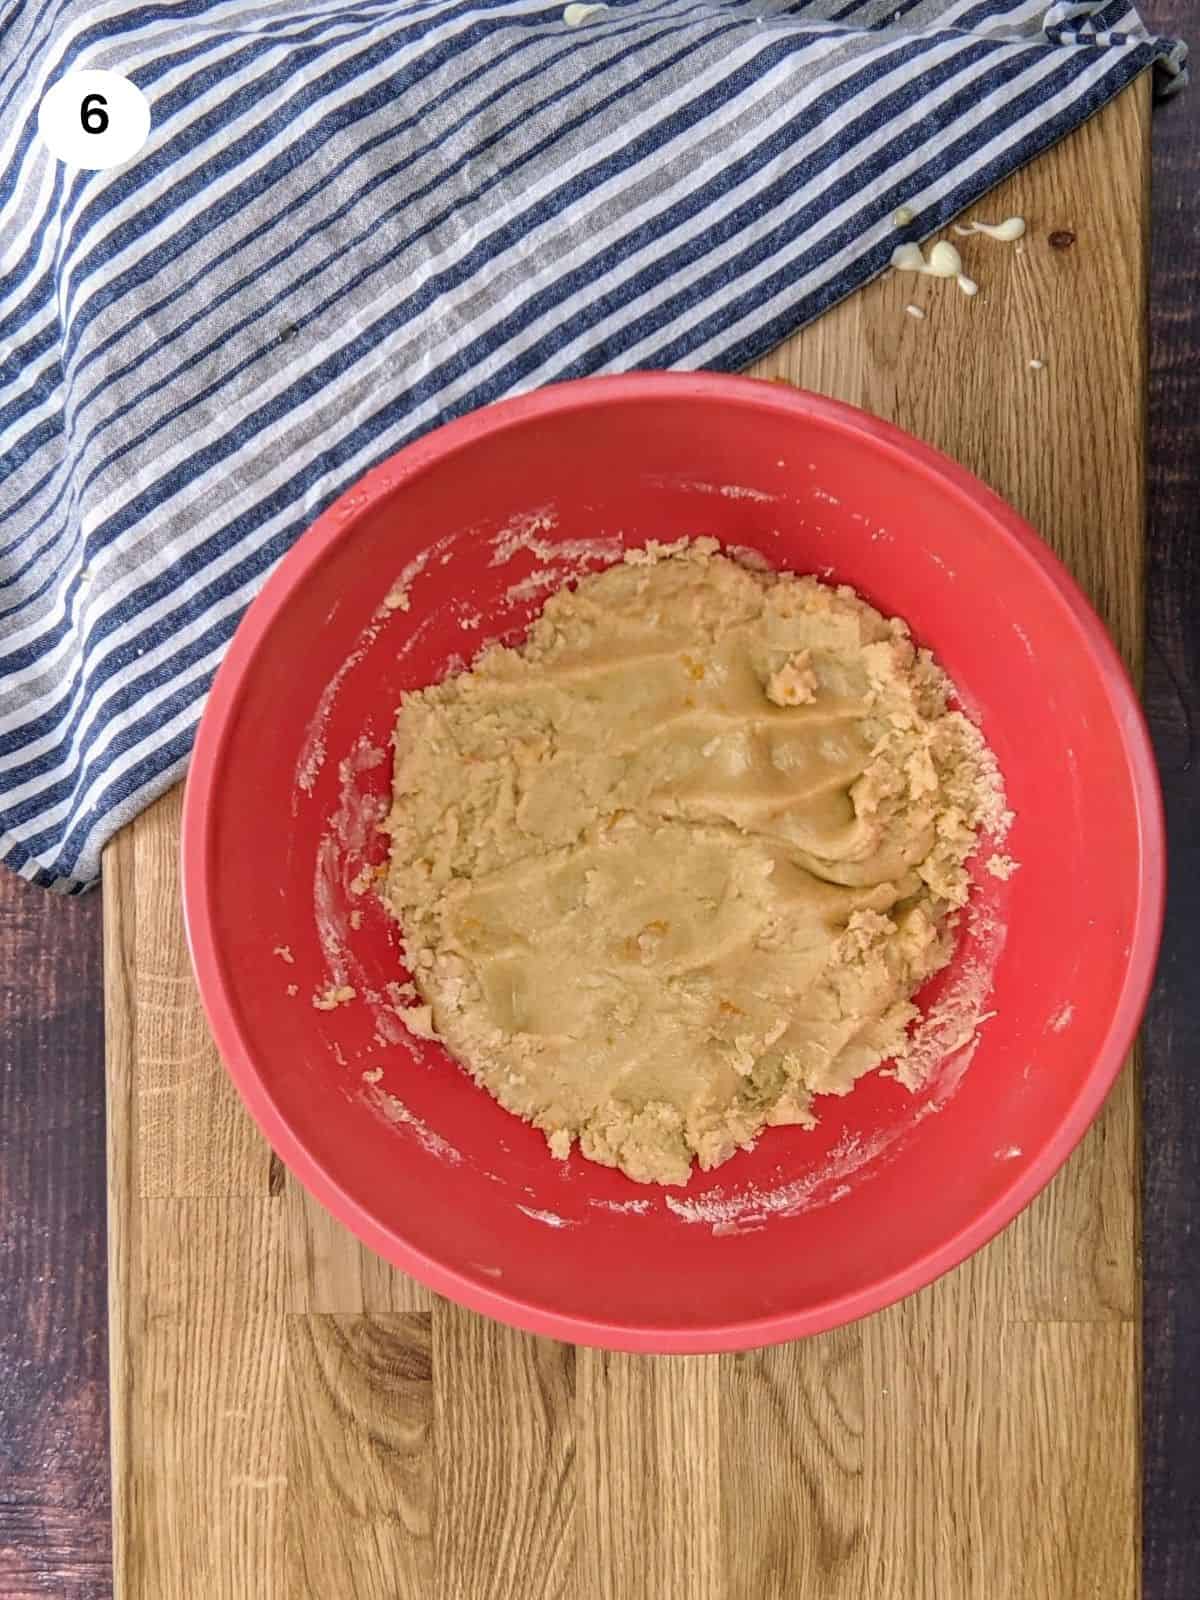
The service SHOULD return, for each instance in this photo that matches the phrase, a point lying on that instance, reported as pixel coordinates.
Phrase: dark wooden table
(1171, 1150)
(54, 1495)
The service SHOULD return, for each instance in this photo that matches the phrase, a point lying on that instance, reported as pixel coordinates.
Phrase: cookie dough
(678, 864)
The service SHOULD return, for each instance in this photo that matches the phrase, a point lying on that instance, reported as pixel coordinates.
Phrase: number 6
(92, 113)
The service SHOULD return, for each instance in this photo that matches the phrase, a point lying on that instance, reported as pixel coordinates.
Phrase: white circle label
(94, 119)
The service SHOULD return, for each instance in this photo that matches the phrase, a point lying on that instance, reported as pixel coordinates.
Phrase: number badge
(94, 119)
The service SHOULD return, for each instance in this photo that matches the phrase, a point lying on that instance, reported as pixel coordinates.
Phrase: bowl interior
(458, 542)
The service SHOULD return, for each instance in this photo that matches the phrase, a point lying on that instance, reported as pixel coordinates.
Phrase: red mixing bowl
(457, 540)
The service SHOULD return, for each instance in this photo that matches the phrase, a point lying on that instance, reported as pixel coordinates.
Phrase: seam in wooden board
(124, 1242)
(1072, 1322)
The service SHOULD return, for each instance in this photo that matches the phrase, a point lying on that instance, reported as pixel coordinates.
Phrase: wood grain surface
(54, 1502)
(292, 1418)
(1171, 1420)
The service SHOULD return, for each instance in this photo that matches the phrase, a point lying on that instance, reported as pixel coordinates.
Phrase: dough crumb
(366, 877)
(1001, 866)
(372, 1075)
(284, 953)
(1012, 228)
(335, 995)
(418, 1020)
(795, 683)
(356, 920)
(293, 989)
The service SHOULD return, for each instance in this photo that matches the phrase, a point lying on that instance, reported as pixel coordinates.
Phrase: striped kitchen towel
(353, 219)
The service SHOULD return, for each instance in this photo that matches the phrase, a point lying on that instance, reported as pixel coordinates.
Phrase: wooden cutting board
(292, 1418)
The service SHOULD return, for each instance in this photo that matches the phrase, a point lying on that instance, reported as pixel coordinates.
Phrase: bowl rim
(337, 522)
